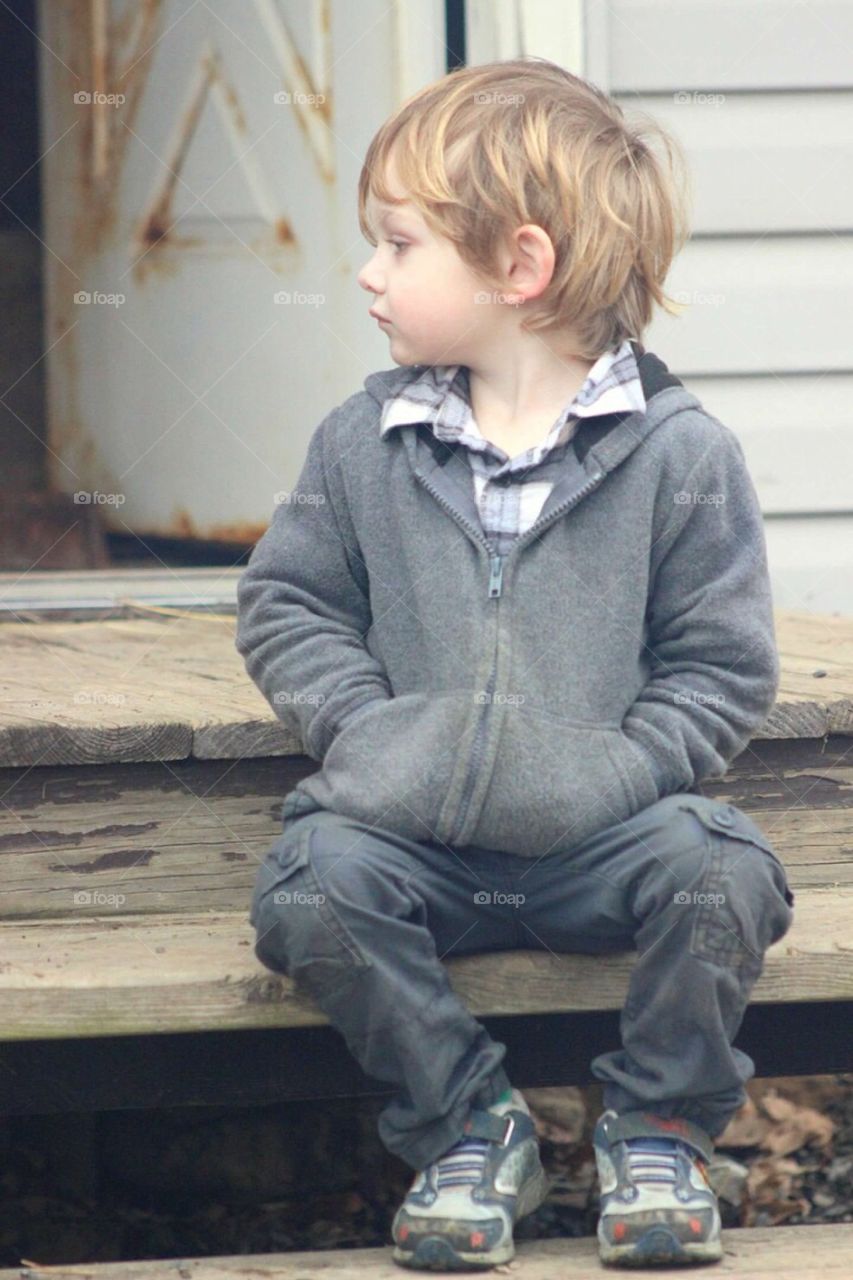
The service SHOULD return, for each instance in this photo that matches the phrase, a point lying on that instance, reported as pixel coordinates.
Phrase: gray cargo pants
(361, 920)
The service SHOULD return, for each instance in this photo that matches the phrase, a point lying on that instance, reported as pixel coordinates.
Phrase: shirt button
(724, 817)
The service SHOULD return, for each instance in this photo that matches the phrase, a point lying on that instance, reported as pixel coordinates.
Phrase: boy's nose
(368, 278)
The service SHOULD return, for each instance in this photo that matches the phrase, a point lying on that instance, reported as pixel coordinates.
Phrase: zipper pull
(496, 576)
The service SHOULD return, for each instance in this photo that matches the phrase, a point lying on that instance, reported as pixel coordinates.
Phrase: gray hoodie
(622, 650)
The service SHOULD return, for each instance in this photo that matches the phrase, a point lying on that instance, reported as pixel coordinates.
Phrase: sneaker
(657, 1204)
(459, 1212)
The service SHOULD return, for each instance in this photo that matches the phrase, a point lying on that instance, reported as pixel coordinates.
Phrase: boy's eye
(398, 244)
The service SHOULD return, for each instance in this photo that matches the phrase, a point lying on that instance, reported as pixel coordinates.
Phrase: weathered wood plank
(189, 835)
(167, 687)
(193, 972)
(130, 590)
(750, 1253)
(164, 837)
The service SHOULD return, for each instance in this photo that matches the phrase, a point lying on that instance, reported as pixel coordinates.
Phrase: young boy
(517, 608)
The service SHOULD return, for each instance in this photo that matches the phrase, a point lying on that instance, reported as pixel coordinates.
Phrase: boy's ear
(527, 261)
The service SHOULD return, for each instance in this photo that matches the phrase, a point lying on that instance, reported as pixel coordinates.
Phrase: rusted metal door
(200, 161)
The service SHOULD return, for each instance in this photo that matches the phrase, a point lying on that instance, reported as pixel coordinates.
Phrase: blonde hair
(487, 148)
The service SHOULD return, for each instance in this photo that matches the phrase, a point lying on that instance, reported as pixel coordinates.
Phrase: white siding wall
(760, 95)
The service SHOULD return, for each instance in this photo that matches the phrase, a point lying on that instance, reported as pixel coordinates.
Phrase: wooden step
(126, 974)
(770, 1253)
(172, 685)
(122, 592)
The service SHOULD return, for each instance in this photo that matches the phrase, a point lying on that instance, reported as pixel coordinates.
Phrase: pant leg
(695, 886)
(360, 919)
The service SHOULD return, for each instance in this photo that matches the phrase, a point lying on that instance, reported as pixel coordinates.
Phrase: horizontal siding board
(810, 563)
(659, 45)
(759, 93)
(775, 162)
(799, 460)
(759, 305)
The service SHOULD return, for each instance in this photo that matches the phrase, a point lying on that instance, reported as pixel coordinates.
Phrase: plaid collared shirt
(511, 492)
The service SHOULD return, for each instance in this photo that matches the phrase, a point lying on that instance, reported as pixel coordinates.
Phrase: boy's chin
(402, 357)
(408, 357)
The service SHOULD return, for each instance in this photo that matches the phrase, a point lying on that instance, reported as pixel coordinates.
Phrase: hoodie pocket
(390, 766)
(630, 760)
(556, 783)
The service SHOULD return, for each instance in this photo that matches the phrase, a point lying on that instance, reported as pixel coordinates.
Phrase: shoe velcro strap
(642, 1124)
(485, 1124)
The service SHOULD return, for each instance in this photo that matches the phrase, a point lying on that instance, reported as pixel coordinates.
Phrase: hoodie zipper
(496, 564)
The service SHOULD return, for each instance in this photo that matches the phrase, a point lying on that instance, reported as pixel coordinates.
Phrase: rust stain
(104, 129)
(155, 229)
(323, 109)
(153, 226)
(101, 124)
(283, 232)
(91, 197)
(233, 102)
(114, 52)
(109, 861)
(183, 526)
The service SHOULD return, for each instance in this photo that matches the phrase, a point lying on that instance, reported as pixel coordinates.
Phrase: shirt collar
(439, 396)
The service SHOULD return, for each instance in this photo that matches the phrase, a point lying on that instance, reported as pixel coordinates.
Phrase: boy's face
(424, 290)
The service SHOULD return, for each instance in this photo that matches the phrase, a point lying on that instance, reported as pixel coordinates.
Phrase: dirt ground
(207, 1181)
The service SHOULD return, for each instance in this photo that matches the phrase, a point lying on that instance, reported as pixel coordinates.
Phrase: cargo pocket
(727, 931)
(299, 932)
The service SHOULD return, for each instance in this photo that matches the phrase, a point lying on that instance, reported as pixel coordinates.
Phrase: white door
(201, 241)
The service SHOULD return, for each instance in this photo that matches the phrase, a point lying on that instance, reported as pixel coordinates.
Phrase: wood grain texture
(749, 1253)
(121, 974)
(173, 836)
(167, 688)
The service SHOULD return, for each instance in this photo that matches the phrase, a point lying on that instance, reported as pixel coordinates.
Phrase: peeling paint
(109, 861)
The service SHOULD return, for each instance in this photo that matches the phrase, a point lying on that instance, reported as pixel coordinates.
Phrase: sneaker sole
(435, 1253)
(659, 1246)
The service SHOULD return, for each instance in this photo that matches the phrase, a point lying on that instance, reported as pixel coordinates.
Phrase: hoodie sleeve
(710, 631)
(303, 609)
